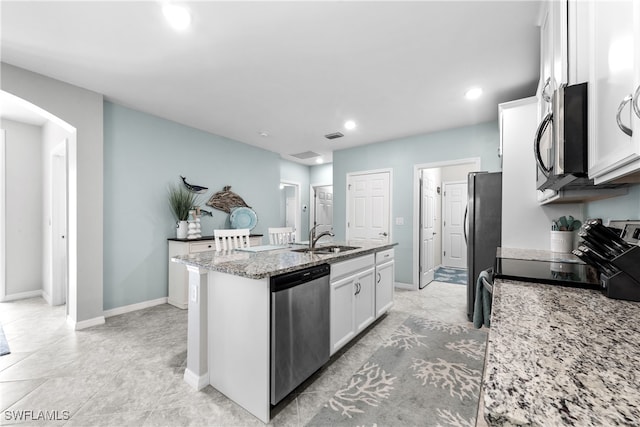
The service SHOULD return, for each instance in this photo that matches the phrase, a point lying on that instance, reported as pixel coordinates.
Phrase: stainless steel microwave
(561, 141)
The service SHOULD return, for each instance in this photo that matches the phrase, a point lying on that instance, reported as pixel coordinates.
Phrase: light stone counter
(561, 356)
(258, 265)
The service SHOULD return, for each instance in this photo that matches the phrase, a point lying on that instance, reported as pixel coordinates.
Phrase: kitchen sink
(333, 249)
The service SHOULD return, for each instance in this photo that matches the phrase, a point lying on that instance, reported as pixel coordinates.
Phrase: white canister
(561, 241)
(181, 229)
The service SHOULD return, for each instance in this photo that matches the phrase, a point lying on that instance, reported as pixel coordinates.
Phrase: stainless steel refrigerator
(483, 226)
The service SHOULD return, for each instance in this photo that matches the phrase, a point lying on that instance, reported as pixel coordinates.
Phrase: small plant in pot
(181, 202)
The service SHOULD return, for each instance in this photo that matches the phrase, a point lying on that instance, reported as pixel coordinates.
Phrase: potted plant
(181, 202)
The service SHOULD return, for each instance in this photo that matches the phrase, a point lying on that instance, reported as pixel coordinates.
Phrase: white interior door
(454, 250)
(59, 273)
(428, 184)
(323, 202)
(369, 206)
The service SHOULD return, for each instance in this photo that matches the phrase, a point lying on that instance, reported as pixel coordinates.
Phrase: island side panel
(196, 373)
(239, 340)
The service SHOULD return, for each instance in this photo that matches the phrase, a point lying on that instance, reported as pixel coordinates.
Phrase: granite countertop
(561, 356)
(258, 265)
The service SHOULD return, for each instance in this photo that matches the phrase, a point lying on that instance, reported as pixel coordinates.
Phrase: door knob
(383, 234)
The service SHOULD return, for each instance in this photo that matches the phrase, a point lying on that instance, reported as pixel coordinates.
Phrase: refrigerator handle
(465, 226)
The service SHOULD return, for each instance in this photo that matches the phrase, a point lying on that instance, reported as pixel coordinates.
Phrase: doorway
(322, 214)
(290, 207)
(58, 225)
(59, 201)
(429, 240)
(454, 247)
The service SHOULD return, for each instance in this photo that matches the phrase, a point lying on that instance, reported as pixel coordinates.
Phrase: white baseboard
(83, 324)
(134, 307)
(23, 295)
(46, 297)
(407, 286)
(195, 381)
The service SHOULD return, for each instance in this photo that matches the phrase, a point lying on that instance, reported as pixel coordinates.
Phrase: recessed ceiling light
(473, 93)
(177, 16)
(319, 160)
(264, 133)
(349, 125)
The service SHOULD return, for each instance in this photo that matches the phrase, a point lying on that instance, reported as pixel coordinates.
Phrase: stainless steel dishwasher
(299, 327)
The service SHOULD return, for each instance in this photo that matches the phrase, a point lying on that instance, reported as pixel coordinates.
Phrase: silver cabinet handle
(357, 285)
(536, 144)
(545, 96)
(383, 234)
(635, 105)
(621, 125)
(379, 277)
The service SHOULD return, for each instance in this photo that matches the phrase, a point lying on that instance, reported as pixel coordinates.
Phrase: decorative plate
(243, 218)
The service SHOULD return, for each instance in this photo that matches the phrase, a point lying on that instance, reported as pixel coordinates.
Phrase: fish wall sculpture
(226, 200)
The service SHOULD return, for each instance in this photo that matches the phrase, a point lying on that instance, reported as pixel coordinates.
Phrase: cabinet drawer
(384, 256)
(351, 266)
(202, 246)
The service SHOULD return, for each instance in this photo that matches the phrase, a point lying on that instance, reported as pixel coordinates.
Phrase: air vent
(305, 155)
(334, 135)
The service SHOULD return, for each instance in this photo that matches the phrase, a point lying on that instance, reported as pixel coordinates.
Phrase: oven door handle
(536, 144)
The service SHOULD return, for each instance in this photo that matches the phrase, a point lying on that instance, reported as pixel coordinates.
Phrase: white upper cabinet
(553, 52)
(614, 88)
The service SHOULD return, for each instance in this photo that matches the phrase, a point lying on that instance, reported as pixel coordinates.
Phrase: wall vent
(334, 135)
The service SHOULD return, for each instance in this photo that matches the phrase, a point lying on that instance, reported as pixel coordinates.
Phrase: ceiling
(281, 75)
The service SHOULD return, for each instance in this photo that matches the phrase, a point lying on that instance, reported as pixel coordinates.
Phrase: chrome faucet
(313, 239)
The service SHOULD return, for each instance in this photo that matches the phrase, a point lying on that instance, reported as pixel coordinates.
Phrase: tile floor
(129, 370)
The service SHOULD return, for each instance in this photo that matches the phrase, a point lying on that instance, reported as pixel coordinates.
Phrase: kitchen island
(228, 343)
(561, 356)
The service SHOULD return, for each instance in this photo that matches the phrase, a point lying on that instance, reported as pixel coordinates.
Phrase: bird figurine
(193, 188)
(226, 200)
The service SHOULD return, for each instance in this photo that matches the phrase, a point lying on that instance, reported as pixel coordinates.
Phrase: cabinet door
(611, 78)
(384, 287)
(365, 299)
(342, 312)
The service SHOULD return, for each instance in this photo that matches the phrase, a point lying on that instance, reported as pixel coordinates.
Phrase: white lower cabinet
(384, 281)
(361, 291)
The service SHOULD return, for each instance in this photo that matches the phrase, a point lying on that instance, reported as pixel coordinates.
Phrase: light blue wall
(143, 154)
(401, 155)
(623, 207)
(321, 174)
(299, 174)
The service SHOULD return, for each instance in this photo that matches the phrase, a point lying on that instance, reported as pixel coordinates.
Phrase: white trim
(370, 172)
(312, 204)
(407, 286)
(46, 297)
(3, 180)
(134, 307)
(23, 295)
(298, 214)
(195, 381)
(83, 324)
(416, 206)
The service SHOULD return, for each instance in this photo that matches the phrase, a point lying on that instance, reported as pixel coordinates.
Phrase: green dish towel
(482, 304)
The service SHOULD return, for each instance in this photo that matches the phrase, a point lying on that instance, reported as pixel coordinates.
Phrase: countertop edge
(306, 260)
